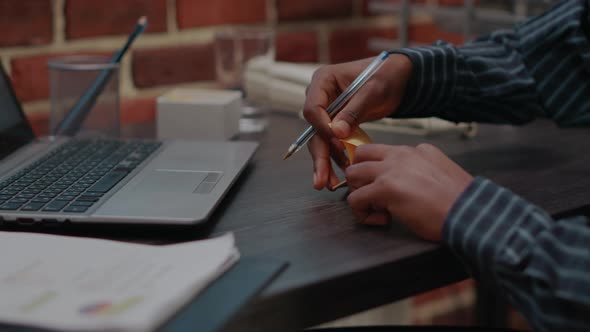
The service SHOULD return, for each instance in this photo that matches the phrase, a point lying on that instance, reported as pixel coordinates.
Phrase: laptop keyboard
(74, 176)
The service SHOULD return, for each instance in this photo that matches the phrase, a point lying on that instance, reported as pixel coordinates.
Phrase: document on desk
(82, 284)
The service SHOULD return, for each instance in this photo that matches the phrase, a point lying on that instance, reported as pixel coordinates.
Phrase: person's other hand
(415, 185)
(379, 97)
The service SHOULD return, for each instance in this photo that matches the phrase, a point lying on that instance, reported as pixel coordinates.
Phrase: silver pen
(337, 105)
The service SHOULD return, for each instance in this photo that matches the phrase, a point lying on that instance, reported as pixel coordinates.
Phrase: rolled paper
(357, 138)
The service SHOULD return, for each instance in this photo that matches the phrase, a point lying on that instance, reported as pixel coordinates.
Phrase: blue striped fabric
(541, 68)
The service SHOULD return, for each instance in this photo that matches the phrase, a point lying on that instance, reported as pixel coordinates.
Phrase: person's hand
(416, 186)
(379, 97)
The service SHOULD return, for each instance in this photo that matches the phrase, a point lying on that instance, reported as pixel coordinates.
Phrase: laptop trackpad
(178, 181)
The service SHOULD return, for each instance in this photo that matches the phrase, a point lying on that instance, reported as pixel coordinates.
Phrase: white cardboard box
(198, 114)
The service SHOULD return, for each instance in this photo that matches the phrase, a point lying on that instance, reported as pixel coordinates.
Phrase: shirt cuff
(489, 225)
(433, 82)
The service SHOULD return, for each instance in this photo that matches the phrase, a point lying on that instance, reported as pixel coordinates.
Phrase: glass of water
(242, 60)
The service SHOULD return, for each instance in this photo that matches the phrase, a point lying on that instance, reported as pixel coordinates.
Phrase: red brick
(140, 110)
(367, 12)
(163, 66)
(428, 33)
(452, 2)
(39, 121)
(353, 44)
(86, 18)
(25, 22)
(197, 13)
(132, 111)
(292, 10)
(30, 75)
(298, 46)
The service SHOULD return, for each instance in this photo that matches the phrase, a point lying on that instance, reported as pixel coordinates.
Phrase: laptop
(61, 180)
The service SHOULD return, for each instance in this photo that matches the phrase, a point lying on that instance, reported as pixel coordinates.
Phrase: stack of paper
(80, 284)
(282, 85)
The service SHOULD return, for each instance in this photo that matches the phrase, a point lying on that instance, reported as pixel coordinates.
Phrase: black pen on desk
(339, 103)
(73, 120)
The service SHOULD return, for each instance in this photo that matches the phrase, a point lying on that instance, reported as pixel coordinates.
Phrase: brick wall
(177, 47)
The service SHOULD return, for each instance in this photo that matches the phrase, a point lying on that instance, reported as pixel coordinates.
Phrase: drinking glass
(70, 77)
(242, 60)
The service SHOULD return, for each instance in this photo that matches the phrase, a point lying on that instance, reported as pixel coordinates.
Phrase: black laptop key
(25, 195)
(81, 203)
(32, 206)
(92, 194)
(9, 192)
(75, 208)
(66, 198)
(40, 199)
(108, 181)
(84, 198)
(55, 206)
(18, 200)
(30, 191)
(10, 206)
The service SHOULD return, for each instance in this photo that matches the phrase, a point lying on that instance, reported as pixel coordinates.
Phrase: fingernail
(341, 129)
(315, 179)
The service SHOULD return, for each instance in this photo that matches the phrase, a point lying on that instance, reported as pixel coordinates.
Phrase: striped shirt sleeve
(543, 265)
(539, 68)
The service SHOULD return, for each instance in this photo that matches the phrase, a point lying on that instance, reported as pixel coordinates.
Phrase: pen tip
(142, 20)
(287, 155)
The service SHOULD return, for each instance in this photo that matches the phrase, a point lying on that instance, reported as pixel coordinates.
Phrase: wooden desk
(337, 267)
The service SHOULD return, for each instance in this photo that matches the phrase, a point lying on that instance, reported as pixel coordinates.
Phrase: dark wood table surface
(338, 267)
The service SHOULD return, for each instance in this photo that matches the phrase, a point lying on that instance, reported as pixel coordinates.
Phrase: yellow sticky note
(358, 137)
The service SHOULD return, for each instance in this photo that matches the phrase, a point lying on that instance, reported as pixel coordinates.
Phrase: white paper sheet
(84, 284)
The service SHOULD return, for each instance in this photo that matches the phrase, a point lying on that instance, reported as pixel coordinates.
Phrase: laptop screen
(15, 131)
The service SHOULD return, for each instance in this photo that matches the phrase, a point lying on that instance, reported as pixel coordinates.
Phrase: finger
(371, 152)
(319, 94)
(377, 218)
(320, 154)
(348, 119)
(365, 200)
(359, 108)
(337, 153)
(359, 175)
